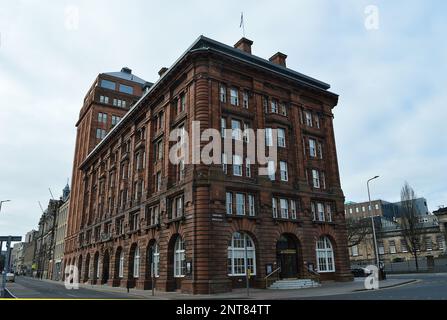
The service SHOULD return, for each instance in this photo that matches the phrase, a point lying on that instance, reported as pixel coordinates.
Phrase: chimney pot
(244, 44)
(279, 58)
(162, 71)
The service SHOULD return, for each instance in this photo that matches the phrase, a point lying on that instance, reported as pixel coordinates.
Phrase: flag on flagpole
(241, 25)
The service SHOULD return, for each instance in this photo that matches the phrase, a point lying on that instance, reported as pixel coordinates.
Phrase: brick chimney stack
(162, 71)
(279, 58)
(244, 44)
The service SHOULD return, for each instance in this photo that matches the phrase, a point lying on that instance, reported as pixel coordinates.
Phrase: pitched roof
(126, 74)
(204, 43)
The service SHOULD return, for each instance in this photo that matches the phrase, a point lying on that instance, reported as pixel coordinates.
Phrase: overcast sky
(390, 121)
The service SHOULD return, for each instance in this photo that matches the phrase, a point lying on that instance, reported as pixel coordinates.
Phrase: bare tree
(412, 230)
(357, 229)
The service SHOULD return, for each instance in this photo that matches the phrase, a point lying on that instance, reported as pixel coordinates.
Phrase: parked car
(360, 272)
(10, 277)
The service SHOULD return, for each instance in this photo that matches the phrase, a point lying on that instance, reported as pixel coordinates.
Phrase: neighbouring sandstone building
(60, 233)
(136, 218)
(44, 252)
(391, 242)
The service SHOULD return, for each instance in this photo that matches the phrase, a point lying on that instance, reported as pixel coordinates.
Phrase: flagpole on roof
(242, 24)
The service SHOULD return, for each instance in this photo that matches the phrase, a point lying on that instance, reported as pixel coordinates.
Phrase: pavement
(26, 287)
(429, 286)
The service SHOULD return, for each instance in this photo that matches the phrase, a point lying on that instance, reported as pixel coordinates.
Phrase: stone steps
(289, 284)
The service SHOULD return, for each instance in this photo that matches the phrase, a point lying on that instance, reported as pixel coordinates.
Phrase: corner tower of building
(109, 98)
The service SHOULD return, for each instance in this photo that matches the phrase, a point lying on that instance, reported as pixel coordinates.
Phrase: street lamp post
(372, 223)
(1, 202)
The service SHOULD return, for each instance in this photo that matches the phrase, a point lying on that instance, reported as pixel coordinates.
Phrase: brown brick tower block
(137, 219)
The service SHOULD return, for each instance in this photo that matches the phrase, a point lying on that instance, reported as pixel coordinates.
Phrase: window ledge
(179, 219)
(158, 135)
(153, 226)
(129, 233)
(179, 118)
(235, 216)
(278, 220)
(140, 144)
(323, 222)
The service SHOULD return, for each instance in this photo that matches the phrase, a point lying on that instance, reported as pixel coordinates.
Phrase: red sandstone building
(135, 217)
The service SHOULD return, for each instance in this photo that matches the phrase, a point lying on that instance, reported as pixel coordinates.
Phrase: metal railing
(312, 274)
(269, 279)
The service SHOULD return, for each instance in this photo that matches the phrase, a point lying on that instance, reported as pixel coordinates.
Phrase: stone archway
(175, 247)
(87, 268)
(80, 268)
(105, 268)
(288, 256)
(95, 277)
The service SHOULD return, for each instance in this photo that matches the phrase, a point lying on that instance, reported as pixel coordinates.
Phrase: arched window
(241, 255)
(98, 274)
(136, 263)
(179, 258)
(155, 260)
(121, 265)
(325, 255)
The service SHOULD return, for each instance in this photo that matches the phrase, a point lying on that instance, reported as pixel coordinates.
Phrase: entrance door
(286, 252)
(105, 273)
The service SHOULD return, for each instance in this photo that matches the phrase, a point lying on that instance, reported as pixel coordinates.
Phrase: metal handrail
(315, 275)
(266, 278)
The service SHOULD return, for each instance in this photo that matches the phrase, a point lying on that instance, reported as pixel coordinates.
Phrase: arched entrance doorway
(80, 268)
(105, 268)
(95, 276)
(287, 256)
(87, 268)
